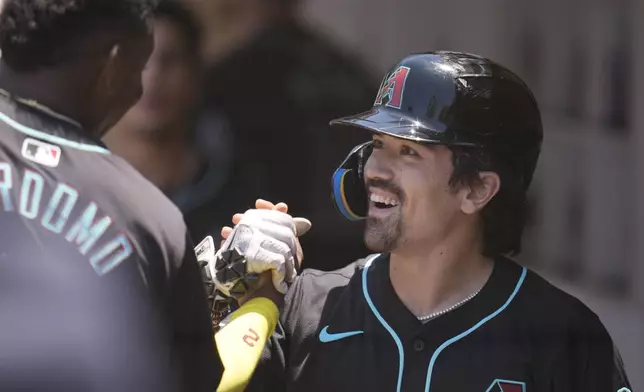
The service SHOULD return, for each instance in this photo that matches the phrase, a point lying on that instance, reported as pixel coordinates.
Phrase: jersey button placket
(418, 345)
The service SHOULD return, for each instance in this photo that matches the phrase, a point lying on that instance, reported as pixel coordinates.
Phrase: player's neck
(47, 88)
(431, 279)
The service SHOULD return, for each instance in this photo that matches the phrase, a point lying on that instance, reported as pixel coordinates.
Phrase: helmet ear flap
(348, 183)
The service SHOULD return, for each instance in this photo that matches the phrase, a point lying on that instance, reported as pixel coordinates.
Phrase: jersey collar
(36, 120)
(496, 292)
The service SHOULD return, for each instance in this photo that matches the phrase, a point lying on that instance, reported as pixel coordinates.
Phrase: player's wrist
(265, 289)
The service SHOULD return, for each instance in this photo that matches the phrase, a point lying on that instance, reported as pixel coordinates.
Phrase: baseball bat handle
(240, 343)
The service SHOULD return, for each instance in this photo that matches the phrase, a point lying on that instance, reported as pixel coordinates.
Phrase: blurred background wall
(583, 59)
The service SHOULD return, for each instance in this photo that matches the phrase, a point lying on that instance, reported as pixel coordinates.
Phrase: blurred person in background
(100, 284)
(157, 135)
(271, 87)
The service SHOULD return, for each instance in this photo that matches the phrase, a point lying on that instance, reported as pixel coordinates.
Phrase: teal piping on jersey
(443, 346)
(401, 351)
(51, 138)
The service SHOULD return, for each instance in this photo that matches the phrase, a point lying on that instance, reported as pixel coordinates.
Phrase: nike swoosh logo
(326, 337)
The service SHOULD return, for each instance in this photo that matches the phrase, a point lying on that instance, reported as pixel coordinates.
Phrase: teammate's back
(71, 208)
(100, 285)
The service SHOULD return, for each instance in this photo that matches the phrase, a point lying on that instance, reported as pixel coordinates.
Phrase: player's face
(410, 199)
(169, 80)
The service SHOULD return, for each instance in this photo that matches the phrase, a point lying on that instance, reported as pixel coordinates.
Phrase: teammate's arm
(241, 342)
(200, 368)
(268, 372)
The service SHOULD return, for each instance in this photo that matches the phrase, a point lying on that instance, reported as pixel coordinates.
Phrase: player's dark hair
(45, 33)
(505, 216)
(178, 14)
(497, 101)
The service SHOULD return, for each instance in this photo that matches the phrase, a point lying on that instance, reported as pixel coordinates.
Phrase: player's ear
(108, 69)
(480, 192)
(109, 74)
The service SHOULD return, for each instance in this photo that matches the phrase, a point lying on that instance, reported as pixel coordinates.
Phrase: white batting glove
(268, 241)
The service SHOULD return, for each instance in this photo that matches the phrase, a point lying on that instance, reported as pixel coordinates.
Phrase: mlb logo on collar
(40, 152)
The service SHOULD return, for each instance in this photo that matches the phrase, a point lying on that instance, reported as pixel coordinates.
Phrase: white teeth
(384, 200)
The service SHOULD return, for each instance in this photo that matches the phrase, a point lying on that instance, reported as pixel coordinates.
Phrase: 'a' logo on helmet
(392, 88)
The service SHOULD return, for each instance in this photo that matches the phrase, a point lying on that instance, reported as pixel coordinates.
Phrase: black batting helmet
(448, 98)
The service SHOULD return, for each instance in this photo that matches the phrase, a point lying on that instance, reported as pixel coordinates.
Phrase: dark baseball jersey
(348, 331)
(100, 288)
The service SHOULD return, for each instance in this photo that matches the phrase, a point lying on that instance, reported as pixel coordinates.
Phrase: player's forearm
(241, 341)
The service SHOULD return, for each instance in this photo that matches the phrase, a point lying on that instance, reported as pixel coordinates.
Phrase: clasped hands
(267, 237)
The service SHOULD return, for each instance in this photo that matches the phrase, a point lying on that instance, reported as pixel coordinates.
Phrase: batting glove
(263, 240)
